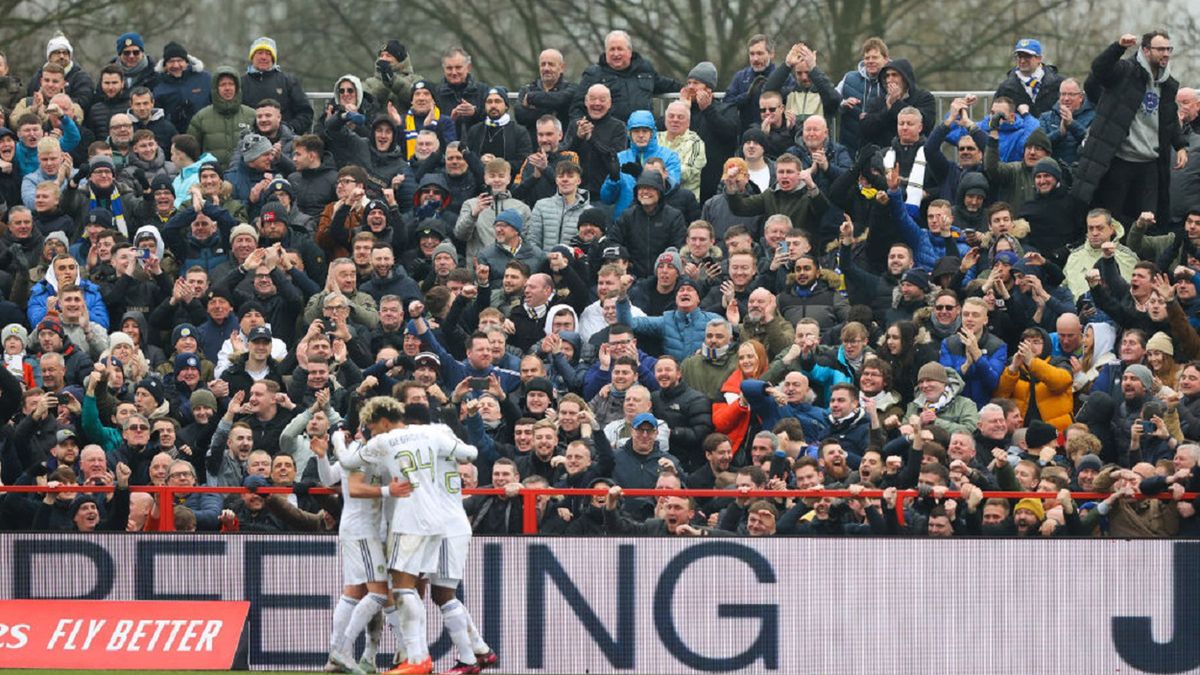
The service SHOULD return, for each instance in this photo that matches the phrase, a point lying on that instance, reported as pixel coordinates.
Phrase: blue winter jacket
(619, 192)
(682, 333)
(42, 290)
(983, 375)
(27, 158)
(814, 420)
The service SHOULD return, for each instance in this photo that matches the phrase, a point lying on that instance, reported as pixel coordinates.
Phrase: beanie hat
(502, 92)
(264, 43)
(272, 212)
(1088, 461)
(98, 161)
(15, 330)
(181, 331)
(704, 72)
(281, 185)
(755, 134)
(210, 166)
(57, 43)
(1007, 257)
(917, 276)
(1034, 505)
(1161, 342)
(130, 40)
(933, 371)
(1039, 434)
(174, 50)
(594, 216)
(243, 228)
(650, 179)
(396, 49)
(52, 323)
(155, 387)
(447, 248)
(100, 216)
(254, 146)
(512, 218)
(203, 398)
(688, 281)
(540, 384)
(1143, 374)
(186, 360)
(1039, 139)
(1048, 165)
(670, 255)
(162, 182)
(57, 235)
(119, 338)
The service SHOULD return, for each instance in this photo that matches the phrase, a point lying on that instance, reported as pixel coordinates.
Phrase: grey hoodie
(1141, 143)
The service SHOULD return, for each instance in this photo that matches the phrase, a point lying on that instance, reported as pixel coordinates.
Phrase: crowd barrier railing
(165, 495)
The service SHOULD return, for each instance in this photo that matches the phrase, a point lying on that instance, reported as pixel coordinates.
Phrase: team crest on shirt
(1150, 103)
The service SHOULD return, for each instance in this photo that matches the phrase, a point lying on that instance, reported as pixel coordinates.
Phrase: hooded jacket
(648, 234)
(1055, 223)
(219, 126)
(48, 286)
(393, 87)
(970, 220)
(632, 88)
(857, 84)
(618, 188)
(955, 412)
(382, 166)
(283, 87)
(1050, 379)
(158, 124)
(879, 124)
(184, 96)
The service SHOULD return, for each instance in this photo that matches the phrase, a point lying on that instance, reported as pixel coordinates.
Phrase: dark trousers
(1128, 189)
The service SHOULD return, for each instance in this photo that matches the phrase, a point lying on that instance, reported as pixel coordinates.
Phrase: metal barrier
(166, 502)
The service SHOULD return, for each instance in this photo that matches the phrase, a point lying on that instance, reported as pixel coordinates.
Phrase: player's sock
(367, 608)
(392, 616)
(374, 635)
(414, 625)
(455, 616)
(477, 644)
(341, 617)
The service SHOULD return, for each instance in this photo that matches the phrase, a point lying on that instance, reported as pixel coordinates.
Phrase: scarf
(1033, 82)
(846, 420)
(115, 205)
(712, 354)
(411, 130)
(502, 121)
(916, 177)
(941, 402)
(940, 330)
(536, 313)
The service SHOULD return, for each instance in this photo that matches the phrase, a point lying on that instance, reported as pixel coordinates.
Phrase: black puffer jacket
(633, 88)
(297, 111)
(648, 234)
(1124, 85)
(879, 124)
(448, 96)
(689, 415)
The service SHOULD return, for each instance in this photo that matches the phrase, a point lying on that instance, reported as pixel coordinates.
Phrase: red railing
(166, 502)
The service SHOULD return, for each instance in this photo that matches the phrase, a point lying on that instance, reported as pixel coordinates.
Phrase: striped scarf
(115, 205)
(916, 176)
(411, 130)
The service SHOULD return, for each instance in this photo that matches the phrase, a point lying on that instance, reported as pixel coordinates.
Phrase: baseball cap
(615, 253)
(1028, 46)
(644, 418)
(260, 333)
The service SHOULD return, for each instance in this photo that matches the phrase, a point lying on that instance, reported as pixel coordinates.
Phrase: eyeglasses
(641, 430)
(262, 276)
(179, 474)
(131, 52)
(346, 181)
(332, 306)
(120, 126)
(1162, 50)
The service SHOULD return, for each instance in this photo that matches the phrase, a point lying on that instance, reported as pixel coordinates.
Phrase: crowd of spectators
(810, 281)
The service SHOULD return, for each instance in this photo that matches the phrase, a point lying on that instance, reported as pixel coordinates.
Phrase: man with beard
(764, 323)
(848, 422)
(498, 136)
(596, 137)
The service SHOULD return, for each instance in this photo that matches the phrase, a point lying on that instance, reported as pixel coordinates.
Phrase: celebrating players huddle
(400, 484)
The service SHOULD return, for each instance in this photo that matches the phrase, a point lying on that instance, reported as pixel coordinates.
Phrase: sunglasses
(767, 110)
(945, 308)
(138, 427)
(345, 91)
(131, 52)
